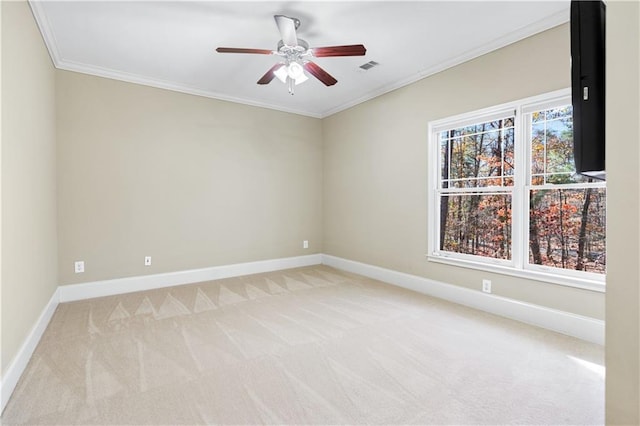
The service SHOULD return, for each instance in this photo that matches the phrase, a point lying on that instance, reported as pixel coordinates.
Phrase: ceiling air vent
(369, 65)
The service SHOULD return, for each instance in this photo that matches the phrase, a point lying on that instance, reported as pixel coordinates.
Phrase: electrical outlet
(486, 286)
(305, 244)
(79, 266)
(147, 261)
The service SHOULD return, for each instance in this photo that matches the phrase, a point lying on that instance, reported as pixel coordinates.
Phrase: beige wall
(375, 205)
(1, 354)
(191, 181)
(195, 182)
(28, 175)
(623, 214)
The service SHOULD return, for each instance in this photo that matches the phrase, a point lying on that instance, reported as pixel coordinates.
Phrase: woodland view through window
(506, 192)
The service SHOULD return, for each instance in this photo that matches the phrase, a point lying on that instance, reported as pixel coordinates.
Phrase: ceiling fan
(295, 54)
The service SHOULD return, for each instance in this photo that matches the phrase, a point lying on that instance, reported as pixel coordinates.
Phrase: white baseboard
(585, 328)
(68, 293)
(89, 290)
(19, 363)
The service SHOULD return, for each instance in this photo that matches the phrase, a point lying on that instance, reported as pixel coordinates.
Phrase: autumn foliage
(566, 220)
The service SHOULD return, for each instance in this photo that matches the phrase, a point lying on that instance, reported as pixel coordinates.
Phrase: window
(505, 197)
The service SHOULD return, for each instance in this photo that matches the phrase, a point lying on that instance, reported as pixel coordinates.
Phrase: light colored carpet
(303, 346)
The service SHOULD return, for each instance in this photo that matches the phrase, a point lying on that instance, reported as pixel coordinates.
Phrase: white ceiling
(172, 44)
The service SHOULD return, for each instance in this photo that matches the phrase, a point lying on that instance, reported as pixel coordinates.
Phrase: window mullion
(518, 214)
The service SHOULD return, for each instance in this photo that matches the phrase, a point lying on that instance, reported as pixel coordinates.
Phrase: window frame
(519, 264)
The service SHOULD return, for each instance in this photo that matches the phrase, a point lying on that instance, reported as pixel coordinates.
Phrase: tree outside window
(566, 220)
(506, 191)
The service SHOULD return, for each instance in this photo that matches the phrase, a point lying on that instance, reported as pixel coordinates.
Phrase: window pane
(478, 156)
(560, 112)
(478, 224)
(538, 142)
(559, 146)
(552, 147)
(567, 229)
(537, 116)
(444, 161)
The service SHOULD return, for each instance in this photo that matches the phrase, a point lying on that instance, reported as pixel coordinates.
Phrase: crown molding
(167, 85)
(61, 63)
(45, 29)
(548, 23)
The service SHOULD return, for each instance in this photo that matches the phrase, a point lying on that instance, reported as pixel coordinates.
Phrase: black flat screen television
(588, 86)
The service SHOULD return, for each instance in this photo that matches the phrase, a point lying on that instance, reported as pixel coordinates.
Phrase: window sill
(585, 284)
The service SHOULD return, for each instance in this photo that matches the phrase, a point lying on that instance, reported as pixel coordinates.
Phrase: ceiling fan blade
(320, 74)
(287, 28)
(241, 50)
(269, 75)
(350, 50)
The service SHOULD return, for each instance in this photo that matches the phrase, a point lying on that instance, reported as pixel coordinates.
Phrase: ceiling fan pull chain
(291, 85)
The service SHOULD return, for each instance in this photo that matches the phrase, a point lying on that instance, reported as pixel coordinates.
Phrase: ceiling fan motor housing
(300, 49)
(294, 54)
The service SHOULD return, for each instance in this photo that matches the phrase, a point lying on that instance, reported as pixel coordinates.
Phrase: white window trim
(519, 264)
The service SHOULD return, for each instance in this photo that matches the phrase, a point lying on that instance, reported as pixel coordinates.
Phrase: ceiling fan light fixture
(281, 73)
(301, 79)
(295, 70)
